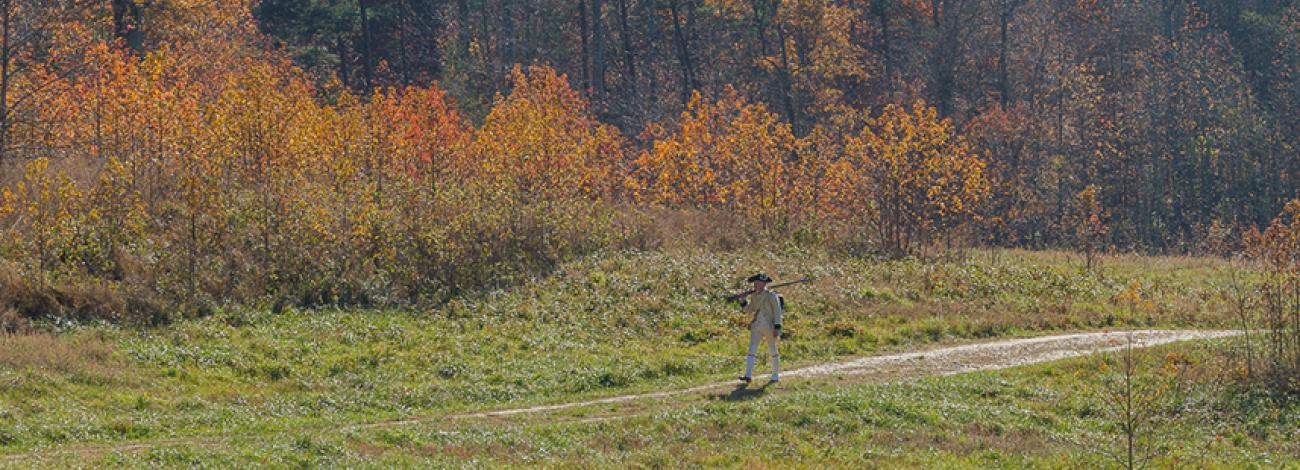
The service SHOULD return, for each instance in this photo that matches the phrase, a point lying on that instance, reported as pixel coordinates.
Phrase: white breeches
(756, 335)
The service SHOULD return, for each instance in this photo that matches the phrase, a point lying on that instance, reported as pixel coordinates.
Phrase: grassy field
(276, 388)
(1043, 416)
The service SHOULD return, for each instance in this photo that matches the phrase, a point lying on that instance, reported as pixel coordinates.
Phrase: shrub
(1137, 403)
(237, 185)
(726, 154)
(541, 140)
(1277, 299)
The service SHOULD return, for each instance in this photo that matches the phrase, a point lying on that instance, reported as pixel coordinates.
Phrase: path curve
(939, 361)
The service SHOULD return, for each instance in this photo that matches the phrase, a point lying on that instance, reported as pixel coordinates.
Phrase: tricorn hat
(760, 277)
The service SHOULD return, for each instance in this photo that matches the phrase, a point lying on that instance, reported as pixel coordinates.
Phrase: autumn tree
(43, 207)
(1089, 223)
(1282, 170)
(1200, 128)
(912, 178)
(817, 59)
(1043, 150)
(427, 134)
(542, 140)
(360, 151)
(1277, 249)
(34, 40)
(728, 153)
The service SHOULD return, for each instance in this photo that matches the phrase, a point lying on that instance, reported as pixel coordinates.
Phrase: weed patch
(79, 356)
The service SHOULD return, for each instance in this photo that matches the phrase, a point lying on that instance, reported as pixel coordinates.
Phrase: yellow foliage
(43, 208)
(541, 140)
(910, 174)
(727, 153)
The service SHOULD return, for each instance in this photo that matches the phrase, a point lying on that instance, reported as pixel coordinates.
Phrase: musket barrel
(773, 286)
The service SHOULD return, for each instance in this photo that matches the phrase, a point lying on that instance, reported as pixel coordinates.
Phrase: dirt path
(940, 361)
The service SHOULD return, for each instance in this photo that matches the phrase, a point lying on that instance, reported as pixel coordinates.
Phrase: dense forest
(1182, 113)
(335, 151)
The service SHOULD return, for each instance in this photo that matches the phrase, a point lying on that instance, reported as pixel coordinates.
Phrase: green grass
(1042, 416)
(609, 324)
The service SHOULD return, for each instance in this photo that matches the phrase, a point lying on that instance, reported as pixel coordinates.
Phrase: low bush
(1272, 305)
(30, 296)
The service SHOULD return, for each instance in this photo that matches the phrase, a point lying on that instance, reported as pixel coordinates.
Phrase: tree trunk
(462, 20)
(368, 57)
(1004, 85)
(791, 107)
(598, 51)
(344, 70)
(943, 56)
(650, 14)
(403, 47)
(760, 25)
(629, 53)
(508, 36)
(586, 49)
(683, 52)
(764, 11)
(6, 13)
(882, 13)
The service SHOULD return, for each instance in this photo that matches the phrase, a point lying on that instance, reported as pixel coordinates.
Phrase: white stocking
(754, 338)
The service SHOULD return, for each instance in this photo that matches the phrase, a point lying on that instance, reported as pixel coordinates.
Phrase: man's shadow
(743, 392)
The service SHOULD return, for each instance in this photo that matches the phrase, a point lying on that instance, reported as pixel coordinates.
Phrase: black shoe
(745, 379)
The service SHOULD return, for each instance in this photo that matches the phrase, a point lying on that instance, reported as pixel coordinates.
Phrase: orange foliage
(232, 178)
(424, 129)
(825, 34)
(728, 153)
(121, 107)
(1279, 244)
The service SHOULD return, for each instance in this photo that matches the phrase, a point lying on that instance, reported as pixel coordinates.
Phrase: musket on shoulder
(733, 297)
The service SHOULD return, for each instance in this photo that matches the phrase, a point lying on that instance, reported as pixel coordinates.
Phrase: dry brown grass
(19, 295)
(497, 453)
(11, 323)
(1146, 261)
(972, 438)
(83, 355)
(716, 230)
(368, 450)
(29, 297)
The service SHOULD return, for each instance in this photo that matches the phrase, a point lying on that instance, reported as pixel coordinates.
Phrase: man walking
(766, 308)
